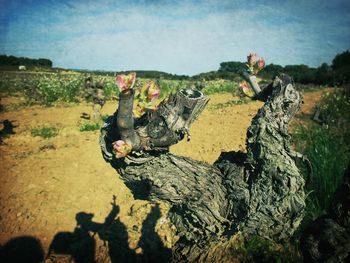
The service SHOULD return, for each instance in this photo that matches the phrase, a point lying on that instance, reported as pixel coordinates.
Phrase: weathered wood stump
(260, 192)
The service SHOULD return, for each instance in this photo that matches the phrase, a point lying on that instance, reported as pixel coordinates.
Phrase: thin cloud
(183, 37)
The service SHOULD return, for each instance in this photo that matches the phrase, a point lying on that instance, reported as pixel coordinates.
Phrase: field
(46, 183)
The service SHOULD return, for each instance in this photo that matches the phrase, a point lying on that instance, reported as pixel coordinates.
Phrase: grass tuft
(89, 126)
(45, 132)
(327, 148)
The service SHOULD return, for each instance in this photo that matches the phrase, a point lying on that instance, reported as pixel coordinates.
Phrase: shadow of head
(22, 249)
(8, 127)
(83, 218)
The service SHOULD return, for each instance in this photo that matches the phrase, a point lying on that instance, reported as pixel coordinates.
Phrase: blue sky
(182, 37)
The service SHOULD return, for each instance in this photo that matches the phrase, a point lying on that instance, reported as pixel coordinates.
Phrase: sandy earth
(45, 183)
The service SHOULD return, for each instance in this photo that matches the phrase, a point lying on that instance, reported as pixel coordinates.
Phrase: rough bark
(260, 192)
(125, 121)
(277, 198)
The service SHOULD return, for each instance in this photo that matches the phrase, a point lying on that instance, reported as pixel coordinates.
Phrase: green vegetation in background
(44, 132)
(89, 126)
(154, 74)
(249, 249)
(50, 88)
(22, 61)
(109, 88)
(329, 156)
(335, 109)
(337, 73)
(258, 249)
(215, 75)
(207, 87)
(220, 86)
(168, 87)
(341, 67)
(328, 149)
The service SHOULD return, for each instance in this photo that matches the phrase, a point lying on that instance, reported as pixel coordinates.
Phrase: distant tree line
(22, 61)
(147, 74)
(152, 74)
(335, 74)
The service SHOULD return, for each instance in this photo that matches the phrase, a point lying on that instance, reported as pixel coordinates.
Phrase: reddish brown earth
(45, 182)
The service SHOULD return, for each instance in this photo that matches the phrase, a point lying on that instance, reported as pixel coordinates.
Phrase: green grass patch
(89, 126)
(45, 132)
(252, 248)
(220, 86)
(327, 147)
(329, 156)
(258, 249)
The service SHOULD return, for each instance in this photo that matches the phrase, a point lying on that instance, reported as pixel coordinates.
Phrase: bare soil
(46, 183)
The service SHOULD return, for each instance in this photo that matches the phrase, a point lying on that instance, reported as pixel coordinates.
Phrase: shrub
(44, 132)
(43, 88)
(89, 126)
(168, 87)
(220, 86)
(110, 88)
(55, 88)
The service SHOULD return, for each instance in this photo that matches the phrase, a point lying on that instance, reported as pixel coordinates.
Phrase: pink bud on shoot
(125, 82)
(121, 148)
(244, 86)
(251, 58)
(261, 63)
(153, 91)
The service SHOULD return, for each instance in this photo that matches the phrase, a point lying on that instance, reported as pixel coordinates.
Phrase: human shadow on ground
(22, 249)
(80, 245)
(7, 130)
(151, 244)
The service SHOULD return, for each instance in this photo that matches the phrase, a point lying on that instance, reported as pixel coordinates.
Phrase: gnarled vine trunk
(260, 192)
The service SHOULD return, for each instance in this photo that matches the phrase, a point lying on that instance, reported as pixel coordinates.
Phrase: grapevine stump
(259, 192)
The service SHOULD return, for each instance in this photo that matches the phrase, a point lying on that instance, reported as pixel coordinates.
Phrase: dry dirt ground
(49, 186)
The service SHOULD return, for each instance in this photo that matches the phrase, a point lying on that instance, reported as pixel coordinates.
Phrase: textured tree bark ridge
(260, 192)
(276, 191)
